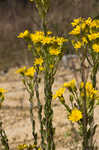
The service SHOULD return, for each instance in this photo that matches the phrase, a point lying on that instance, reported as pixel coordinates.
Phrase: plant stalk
(48, 81)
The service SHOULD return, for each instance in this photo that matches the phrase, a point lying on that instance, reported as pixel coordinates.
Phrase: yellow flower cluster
(39, 37)
(90, 91)
(36, 37)
(70, 85)
(25, 146)
(75, 115)
(27, 72)
(85, 30)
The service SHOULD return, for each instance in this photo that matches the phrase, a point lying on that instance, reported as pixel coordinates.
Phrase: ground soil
(15, 112)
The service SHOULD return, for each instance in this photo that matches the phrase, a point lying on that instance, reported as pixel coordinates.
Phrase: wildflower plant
(85, 35)
(85, 40)
(75, 108)
(47, 50)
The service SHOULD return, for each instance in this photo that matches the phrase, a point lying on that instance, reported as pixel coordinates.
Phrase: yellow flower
(2, 91)
(76, 30)
(83, 25)
(41, 68)
(54, 51)
(23, 35)
(22, 147)
(88, 21)
(38, 61)
(95, 47)
(70, 84)
(59, 93)
(39, 33)
(77, 45)
(36, 37)
(93, 36)
(94, 23)
(30, 72)
(75, 115)
(90, 91)
(39, 148)
(81, 85)
(49, 32)
(76, 21)
(60, 40)
(47, 40)
(84, 40)
(21, 70)
(51, 66)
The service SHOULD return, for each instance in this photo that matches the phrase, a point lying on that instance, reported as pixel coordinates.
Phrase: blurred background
(18, 15)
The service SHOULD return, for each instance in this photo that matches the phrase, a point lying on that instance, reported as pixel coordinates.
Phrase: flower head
(54, 51)
(24, 34)
(60, 40)
(77, 44)
(59, 93)
(95, 47)
(70, 84)
(38, 61)
(2, 91)
(75, 115)
(21, 70)
(30, 72)
(76, 21)
(76, 30)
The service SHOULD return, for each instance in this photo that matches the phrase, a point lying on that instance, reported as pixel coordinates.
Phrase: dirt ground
(15, 112)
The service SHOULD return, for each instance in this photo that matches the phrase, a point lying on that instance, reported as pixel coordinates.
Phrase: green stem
(31, 118)
(40, 113)
(48, 81)
(93, 75)
(85, 140)
(4, 138)
(93, 79)
(44, 27)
